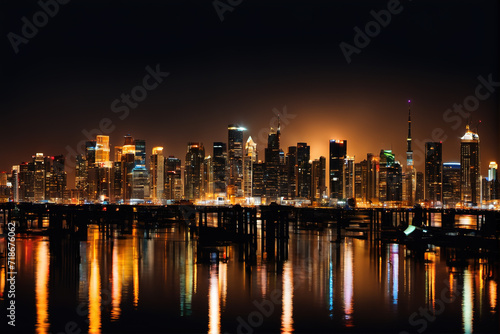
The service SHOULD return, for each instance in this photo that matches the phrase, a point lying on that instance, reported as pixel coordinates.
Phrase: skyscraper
(318, 178)
(348, 177)
(102, 150)
(248, 160)
(338, 153)
(291, 166)
(470, 167)
(372, 181)
(303, 183)
(173, 179)
(235, 160)
(493, 183)
(434, 171)
(410, 176)
(219, 167)
(361, 181)
(272, 165)
(193, 171)
(157, 173)
(451, 184)
(140, 175)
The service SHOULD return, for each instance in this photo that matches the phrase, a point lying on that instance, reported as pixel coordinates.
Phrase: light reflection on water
(156, 284)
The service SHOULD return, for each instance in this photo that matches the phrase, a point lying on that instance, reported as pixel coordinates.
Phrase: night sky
(264, 55)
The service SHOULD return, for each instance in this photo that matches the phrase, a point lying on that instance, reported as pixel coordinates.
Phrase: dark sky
(264, 55)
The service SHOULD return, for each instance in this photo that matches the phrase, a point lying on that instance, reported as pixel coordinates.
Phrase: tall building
(157, 174)
(193, 171)
(451, 184)
(361, 181)
(258, 175)
(338, 153)
(140, 175)
(248, 161)
(348, 177)
(90, 152)
(410, 175)
(272, 165)
(15, 183)
(208, 179)
(235, 160)
(434, 172)
(303, 183)
(372, 178)
(102, 150)
(128, 165)
(291, 169)
(493, 182)
(173, 189)
(387, 160)
(419, 187)
(219, 162)
(470, 167)
(318, 178)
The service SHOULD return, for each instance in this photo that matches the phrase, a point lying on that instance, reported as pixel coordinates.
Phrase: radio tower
(409, 152)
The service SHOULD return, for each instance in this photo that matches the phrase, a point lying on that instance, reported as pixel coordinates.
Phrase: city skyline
(65, 81)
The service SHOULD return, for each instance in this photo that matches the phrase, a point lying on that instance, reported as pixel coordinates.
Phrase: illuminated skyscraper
(157, 173)
(272, 165)
(338, 153)
(102, 150)
(451, 184)
(235, 160)
(410, 176)
(220, 167)
(90, 147)
(434, 171)
(348, 177)
(470, 191)
(291, 168)
(318, 178)
(372, 181)
(303, 183)
(140, 175)
(193, 171)
(361, 181)
(493, 182)
(173, 179)
(208, 179)
(248, 160)
(127, 164)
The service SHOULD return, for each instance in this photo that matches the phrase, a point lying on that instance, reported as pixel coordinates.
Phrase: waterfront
(151, 281)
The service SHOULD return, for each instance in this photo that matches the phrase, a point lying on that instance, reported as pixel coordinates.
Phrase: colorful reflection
(467, 302)
(213, 301)
(94, 287)
(287, 300)
(493, 296)
(116, 285)
(430, 280)
(348, 283)
(42, 287)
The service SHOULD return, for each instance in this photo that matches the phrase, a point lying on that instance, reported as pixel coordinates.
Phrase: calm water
(152, 282)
